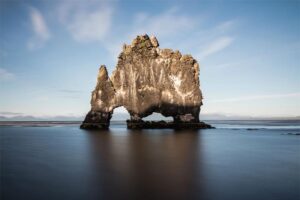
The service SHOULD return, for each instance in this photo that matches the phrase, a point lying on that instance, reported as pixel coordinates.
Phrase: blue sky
(248, 51)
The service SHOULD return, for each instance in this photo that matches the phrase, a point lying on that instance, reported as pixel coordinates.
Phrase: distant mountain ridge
(125, 116)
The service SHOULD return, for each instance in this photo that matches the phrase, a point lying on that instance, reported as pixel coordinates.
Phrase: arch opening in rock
(157, 117)
(120, 114)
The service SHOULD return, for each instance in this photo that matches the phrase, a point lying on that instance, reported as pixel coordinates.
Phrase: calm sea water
(60, 161)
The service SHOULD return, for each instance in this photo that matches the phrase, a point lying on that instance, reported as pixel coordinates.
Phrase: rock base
(96, 120)
(166, 125)
(94, 126)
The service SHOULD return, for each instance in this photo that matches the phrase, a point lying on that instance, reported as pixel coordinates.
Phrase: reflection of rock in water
(148, 165)
(148, 79)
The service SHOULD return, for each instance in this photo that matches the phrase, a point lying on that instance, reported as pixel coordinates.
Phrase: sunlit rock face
(147, 79)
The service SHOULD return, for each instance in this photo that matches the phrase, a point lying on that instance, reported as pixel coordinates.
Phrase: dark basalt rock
(96, 120)
(131, 124)
(148, 79)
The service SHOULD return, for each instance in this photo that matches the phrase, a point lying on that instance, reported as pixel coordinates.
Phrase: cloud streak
(216, 46)
(162, 25)
(93, 21)
(39, 28)
(258, 97)
(171, 22)
(86, 22)
(5, 113)
(6, 75)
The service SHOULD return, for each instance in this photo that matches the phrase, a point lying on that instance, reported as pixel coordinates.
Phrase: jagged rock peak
(102, 74)
(148, 79)
(144, 41)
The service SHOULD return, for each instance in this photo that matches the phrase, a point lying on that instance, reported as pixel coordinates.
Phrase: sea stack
(148, 79)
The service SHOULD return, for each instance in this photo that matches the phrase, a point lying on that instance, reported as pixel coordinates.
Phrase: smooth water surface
(65, 162)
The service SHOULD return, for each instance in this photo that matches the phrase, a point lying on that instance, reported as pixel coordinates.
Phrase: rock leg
(96, 120)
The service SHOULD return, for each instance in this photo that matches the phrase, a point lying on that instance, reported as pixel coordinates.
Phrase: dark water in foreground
(64, 162)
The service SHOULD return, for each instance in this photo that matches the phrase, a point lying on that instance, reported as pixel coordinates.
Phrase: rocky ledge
(148, 79)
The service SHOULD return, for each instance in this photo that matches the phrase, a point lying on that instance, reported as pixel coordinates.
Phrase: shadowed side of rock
(96, 120)
(148, 79)
(166, 125)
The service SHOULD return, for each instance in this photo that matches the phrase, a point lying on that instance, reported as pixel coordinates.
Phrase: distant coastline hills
(4, 116)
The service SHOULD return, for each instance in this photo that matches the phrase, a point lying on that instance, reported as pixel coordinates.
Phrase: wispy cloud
(86, 22)
(259, 97)
(226, 25)
(216, 46)
(9, 113)
(205, 40)
(172, 24)
(6, 75)
(40, 30)
(168, 23)
(93, 21)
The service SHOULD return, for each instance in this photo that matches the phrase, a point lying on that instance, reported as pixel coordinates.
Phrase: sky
(249, 52)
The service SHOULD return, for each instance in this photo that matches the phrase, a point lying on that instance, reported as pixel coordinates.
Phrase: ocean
(242, 160)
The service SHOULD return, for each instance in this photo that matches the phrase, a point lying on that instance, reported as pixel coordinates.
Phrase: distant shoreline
(219, 124)
(79, 121)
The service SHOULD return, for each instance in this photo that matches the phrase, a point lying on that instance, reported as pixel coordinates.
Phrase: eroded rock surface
(147, 79)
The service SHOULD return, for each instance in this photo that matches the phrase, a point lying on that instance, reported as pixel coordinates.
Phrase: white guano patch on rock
(177, 83)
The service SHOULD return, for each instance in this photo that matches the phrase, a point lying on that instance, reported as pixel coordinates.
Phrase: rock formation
(147, 79)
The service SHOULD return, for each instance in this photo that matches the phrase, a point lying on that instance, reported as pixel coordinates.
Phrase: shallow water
(65, 162)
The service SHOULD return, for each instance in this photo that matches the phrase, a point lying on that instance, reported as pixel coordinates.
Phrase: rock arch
(147, 79)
